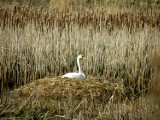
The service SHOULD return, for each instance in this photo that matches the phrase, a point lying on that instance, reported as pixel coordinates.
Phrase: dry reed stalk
(40, 43)
(35, 43)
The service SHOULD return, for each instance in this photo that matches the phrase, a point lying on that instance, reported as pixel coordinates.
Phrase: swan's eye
(81, 56)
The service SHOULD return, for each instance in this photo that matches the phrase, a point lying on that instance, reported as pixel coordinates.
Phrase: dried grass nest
(60, 96)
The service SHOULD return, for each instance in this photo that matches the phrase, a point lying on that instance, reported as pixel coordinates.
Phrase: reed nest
(57, 96)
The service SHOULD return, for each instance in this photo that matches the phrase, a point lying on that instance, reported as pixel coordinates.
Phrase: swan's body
(74, 75)
(79, 74)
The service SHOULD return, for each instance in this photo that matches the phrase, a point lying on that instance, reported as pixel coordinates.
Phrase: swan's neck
(79, 66)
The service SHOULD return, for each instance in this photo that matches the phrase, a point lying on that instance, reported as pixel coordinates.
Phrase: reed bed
(36, 43)
(121, 52)
(19, 16)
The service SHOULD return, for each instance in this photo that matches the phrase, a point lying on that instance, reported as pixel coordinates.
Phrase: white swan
(79, 74)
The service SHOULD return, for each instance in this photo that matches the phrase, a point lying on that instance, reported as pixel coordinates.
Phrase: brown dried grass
(37, 43)
(93, 98)
(63, 97)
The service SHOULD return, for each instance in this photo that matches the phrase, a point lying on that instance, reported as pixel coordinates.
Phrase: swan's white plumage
(74, 75)
(79, 74)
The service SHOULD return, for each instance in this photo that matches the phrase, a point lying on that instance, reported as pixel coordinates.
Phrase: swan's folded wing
(73, 75)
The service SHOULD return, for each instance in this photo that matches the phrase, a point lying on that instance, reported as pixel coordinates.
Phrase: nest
(66, 97)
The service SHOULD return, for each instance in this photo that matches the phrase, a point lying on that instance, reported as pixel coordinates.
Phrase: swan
(79, 74)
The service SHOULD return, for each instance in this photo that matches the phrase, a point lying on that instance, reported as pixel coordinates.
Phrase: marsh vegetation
(121, 47)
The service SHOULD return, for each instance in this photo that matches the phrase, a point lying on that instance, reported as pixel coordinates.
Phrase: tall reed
(36, 43)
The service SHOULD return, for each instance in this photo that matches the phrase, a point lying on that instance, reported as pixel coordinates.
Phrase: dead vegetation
(57, 98)
(36, 43)
(63, 97)
(121, 50)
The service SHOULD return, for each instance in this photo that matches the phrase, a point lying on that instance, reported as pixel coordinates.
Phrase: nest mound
(63, 97)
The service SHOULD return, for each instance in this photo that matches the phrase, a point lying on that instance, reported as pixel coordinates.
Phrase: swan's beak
(84, 58)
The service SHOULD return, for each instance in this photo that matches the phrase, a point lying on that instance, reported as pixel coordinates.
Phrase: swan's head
(80, 56)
